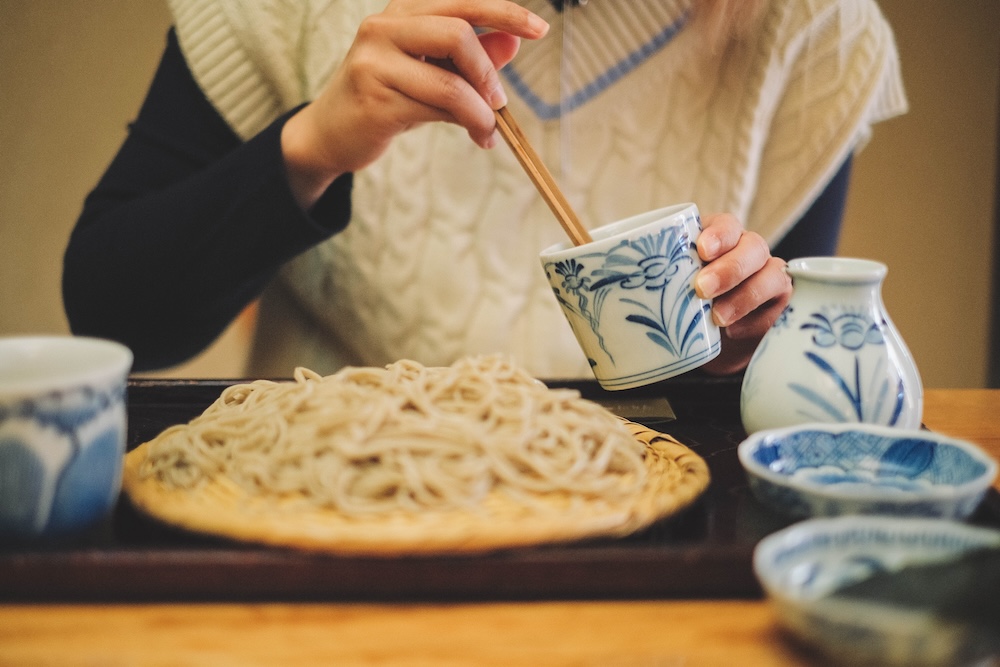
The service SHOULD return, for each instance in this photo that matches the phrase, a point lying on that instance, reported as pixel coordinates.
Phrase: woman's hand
(750, 288)
(418, 61)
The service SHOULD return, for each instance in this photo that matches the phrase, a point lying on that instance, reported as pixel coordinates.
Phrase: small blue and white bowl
(62, 433)
(801, 567)
(834, 469)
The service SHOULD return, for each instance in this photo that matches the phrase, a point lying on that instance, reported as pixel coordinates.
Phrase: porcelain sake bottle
(833, 355)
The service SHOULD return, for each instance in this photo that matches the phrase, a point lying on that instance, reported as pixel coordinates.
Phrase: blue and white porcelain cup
(62, 433)
(629, 297)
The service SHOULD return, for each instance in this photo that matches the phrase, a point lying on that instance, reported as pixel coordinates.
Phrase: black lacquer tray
(704, 552)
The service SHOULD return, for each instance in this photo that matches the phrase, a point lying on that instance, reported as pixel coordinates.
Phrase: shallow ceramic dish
(833, 469)
(801, 568)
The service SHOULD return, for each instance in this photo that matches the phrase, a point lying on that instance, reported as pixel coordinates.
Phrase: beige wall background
(73, 73)
(922, 196)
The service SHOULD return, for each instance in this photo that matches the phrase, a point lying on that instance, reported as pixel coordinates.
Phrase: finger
(500, 15)
(754, 326)
(752, 307)
(501, 47)
(744, 258)
(446, 96)
(379, 76)
(720, 233)
(451, 40)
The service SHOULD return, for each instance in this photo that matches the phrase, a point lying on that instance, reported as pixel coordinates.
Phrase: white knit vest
(440, 258)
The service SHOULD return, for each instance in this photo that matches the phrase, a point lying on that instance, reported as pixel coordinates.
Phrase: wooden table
(646, 634)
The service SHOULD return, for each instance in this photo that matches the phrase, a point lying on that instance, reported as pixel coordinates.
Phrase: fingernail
(722, 315)
(537, 23)
(710, 245)
(491, 141)
(498, 98)
(706, 284)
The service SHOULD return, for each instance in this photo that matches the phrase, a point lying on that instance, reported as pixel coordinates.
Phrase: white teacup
(62, 433)
(629, 297)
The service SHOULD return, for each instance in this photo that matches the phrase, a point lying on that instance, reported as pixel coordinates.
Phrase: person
(327, 158)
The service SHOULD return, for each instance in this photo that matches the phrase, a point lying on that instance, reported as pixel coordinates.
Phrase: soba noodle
(406, 437)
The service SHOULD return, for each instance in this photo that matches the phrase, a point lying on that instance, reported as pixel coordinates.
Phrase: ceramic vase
(833, 356)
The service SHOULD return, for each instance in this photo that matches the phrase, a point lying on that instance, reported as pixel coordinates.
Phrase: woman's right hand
(417, 61)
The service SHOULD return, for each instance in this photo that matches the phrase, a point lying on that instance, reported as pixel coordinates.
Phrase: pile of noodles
(403, 437)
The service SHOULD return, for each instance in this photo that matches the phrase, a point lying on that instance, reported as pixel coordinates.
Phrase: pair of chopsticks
(541, 177)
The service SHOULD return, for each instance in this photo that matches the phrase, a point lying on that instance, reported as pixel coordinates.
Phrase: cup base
(670, 370)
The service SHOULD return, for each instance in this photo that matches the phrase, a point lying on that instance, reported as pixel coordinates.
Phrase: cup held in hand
(629, 297)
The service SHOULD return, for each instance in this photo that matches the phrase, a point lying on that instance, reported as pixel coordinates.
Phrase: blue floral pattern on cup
(650, 263)
(71, 473)
(629, 297)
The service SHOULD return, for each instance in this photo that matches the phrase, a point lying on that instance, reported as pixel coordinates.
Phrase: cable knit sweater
(625, 105)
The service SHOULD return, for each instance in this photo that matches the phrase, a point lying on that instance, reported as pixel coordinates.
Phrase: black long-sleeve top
(189, 223)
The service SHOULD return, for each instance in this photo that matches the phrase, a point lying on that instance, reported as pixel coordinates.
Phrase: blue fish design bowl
(833, 469)
(62, 433)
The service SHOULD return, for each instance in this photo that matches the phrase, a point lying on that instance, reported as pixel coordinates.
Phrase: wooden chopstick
(541, 177)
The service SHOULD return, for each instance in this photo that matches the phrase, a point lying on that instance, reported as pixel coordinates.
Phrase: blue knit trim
(602, 82)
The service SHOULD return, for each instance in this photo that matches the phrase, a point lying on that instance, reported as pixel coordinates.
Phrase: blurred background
(923, 196)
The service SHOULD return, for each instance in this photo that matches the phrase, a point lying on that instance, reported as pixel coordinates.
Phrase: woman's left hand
(750, 288)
